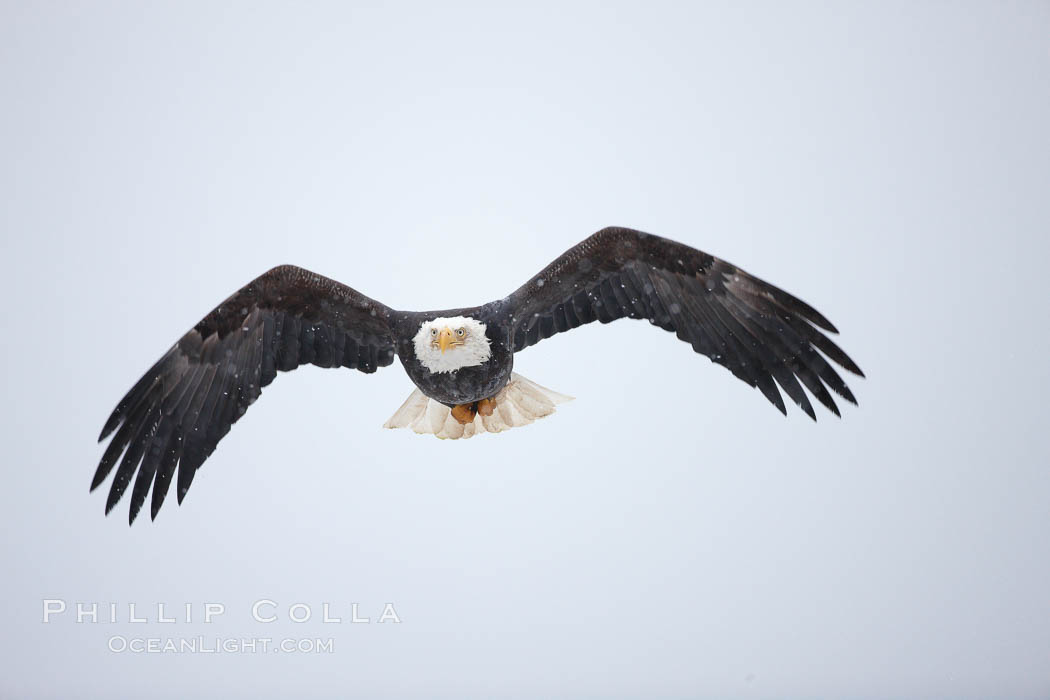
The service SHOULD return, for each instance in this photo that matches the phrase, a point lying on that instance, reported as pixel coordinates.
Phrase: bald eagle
(460, 360)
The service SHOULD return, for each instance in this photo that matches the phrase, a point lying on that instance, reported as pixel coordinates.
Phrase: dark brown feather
(762, 334)
(175, 415)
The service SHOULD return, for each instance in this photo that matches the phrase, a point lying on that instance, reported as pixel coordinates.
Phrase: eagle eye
(460, 332)
(433, 331)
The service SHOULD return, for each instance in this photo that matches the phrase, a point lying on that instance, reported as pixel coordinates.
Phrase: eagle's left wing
(762, 334)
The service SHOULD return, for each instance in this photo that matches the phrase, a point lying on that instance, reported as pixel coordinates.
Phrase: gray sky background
(668, 532)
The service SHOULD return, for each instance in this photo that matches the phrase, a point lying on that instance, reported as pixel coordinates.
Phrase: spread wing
(762, 334)
(180, 409)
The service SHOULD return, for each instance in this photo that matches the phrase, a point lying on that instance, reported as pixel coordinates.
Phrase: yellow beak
(445, 339)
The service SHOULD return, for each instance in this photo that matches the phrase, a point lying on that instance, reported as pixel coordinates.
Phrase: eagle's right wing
(180, 409)
(762, 334)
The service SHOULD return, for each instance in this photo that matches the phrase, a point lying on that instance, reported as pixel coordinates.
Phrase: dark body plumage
(175, 415)
(466, 385)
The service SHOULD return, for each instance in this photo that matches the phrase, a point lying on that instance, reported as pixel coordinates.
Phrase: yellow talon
(464, 412)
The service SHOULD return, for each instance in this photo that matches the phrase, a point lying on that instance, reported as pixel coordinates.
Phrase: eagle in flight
(461, 360)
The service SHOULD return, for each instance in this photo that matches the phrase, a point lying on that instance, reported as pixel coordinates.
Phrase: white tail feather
(519, 403)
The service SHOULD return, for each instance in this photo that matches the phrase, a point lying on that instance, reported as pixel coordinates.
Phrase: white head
(448, 344)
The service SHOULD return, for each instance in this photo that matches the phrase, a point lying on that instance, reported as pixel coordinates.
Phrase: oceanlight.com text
(120, 644)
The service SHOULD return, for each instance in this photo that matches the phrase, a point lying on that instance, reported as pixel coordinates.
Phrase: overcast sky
(666, 534)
